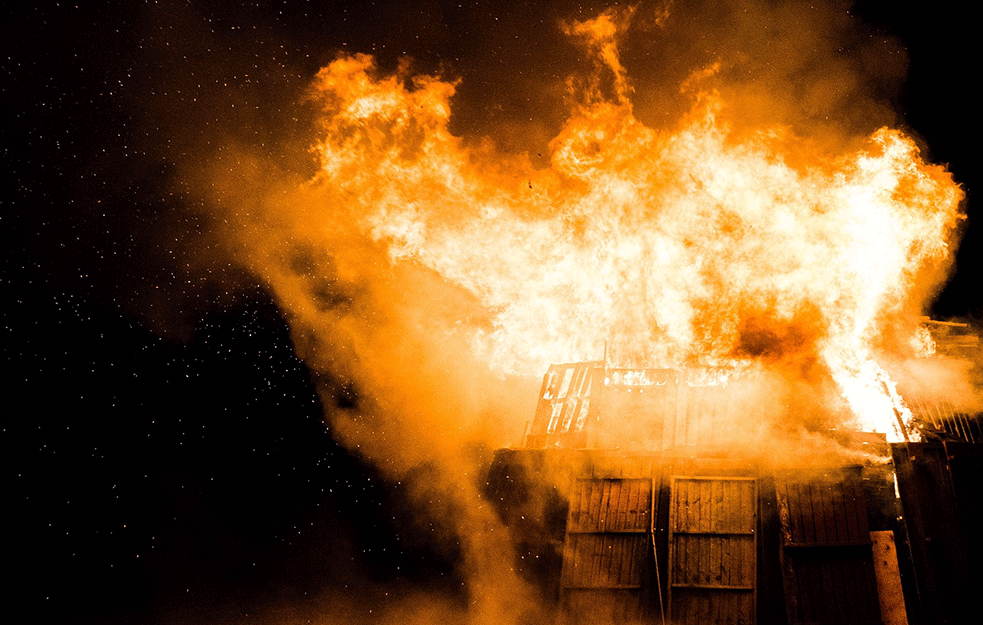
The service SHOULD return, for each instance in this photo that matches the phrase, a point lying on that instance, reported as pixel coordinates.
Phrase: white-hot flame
(695, 247)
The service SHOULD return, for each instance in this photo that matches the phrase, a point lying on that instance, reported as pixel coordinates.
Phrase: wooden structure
(609, 542)
(826, 549)
(941, 489)
(675, 407)
(689, 539)
(712, 549)
(674, 529)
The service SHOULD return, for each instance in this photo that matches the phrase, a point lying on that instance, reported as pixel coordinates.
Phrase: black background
(164, 457)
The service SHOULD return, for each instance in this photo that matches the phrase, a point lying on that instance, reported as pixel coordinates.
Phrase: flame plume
(697, 246)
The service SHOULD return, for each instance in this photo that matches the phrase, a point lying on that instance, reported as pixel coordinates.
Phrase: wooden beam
(888, 578)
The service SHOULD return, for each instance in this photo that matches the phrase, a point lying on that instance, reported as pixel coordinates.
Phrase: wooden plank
(639, 556)
(714, 587)
(851, 496)
(639, 503)
(837, 512)
(656, 511)
(621, 550)
(586, 547)
(578, 504)
(587, 550)
(607, 547)
(691, 503)
(790, 529)
(608, 532)
(702, 543)
(795, 509)
(820, 515)
(671, 543)
(648, 494)
(717, 568)
(712, 534)
(624, 496)
(604, 505)
(574, 557)
(888, 577)
(613, 509)
(860, 545)
(596, 558)
(607, 587)
(594, 506)
(644, 515)
(580, 521)
(805, 500)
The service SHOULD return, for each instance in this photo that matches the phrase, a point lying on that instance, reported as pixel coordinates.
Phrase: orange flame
(690, 248)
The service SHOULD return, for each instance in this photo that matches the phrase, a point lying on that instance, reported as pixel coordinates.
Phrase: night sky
(163, 456)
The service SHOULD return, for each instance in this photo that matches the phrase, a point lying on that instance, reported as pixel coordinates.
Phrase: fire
(695, 247)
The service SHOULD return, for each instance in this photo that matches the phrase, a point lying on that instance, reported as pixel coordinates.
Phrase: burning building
(669, 523)
(750, 407)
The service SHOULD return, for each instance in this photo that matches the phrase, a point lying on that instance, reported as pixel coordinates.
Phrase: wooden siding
(826, 550)
(612, 505)
(712, 550)
(608, 549)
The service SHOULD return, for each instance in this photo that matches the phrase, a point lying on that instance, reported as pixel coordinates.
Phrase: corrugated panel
(826, 550)
(712, 550)
(608, 551)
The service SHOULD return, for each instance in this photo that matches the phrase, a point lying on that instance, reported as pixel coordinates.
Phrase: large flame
(699, 246)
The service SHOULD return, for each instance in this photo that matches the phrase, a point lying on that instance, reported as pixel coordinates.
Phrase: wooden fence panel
(712, 550)
(826, 556)
(607, 553)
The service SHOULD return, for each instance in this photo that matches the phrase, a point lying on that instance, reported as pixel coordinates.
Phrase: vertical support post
(888, 577)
